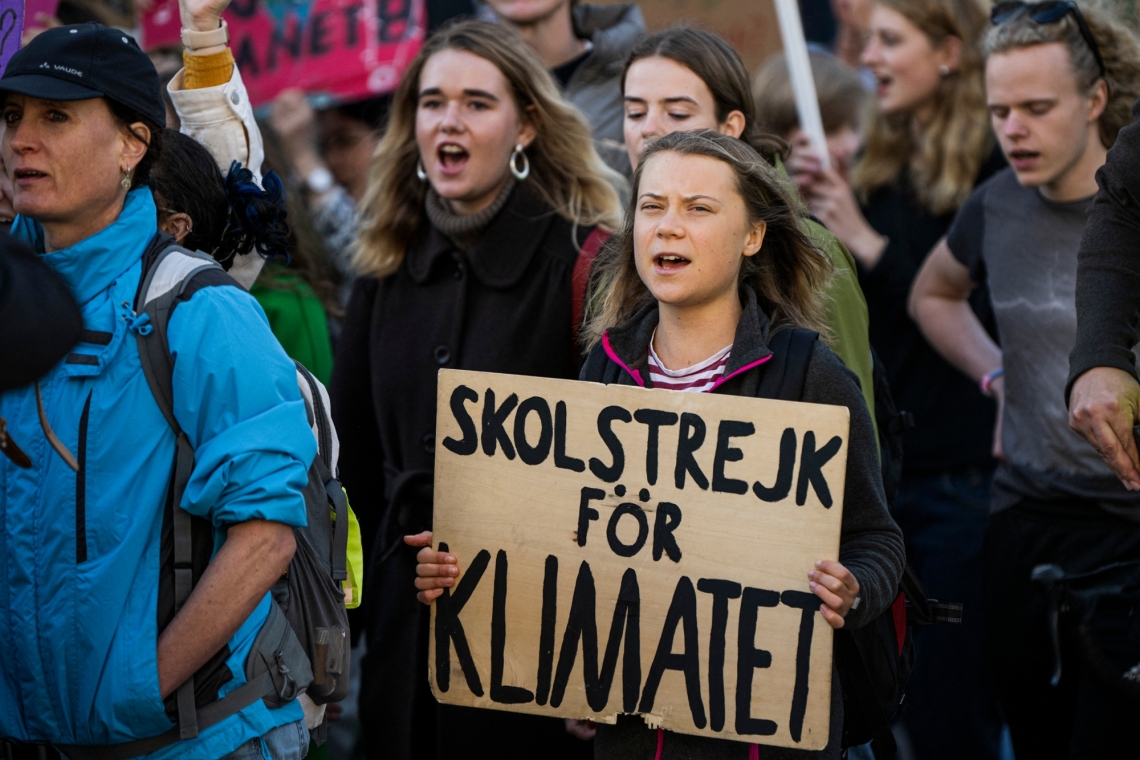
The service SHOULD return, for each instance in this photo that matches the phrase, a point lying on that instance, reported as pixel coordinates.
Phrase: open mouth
(1023, 158)
(452, 158)
(669, 262)
(24, 176)
(882, 84)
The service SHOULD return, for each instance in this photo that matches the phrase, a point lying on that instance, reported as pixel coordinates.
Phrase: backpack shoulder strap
(314, 395)
(168, 271)
(785, 374)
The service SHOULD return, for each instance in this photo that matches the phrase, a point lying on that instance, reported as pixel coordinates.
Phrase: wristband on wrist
(988, 381)
(193, 40)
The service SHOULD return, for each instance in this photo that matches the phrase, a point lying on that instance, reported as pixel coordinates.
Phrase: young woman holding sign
(711, 264)
(685, 79)
(484, 192)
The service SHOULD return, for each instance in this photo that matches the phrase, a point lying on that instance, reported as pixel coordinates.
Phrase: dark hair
(788, 273)
(125, 116)
(230, 215)
(722, 70)
(373, 112)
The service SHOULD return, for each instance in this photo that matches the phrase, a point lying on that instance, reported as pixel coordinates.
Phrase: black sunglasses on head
(1048, 13)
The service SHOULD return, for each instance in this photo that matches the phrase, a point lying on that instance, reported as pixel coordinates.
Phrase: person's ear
(178, 225)
(135, 145)
(949, 54)
(755, 239)
(527, 129)
(1098, 100)
(733, 125)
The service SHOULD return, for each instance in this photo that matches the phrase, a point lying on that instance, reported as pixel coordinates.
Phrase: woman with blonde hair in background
(477, 230)
(928, 143)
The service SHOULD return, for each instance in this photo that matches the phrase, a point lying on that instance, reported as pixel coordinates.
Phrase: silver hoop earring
(524, 172)
(421, 173)
(126, 183)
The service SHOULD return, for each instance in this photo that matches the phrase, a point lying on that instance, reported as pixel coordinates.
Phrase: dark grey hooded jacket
(595, 88)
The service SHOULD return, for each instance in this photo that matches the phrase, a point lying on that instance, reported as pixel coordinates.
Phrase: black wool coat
(502, 306)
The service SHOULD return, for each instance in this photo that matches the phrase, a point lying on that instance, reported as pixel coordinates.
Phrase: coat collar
(613, 29)
(628, 345)
(504, 250)
(91, 265)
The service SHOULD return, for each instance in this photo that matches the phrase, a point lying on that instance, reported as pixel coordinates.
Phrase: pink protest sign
(345, 49)
(14, 16)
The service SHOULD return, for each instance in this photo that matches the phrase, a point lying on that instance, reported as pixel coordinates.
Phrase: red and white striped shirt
(698, 378)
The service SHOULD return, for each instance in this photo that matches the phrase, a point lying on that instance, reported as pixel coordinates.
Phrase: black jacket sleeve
(361, 459)
(1108, 266)
(39, 319)
(871, 544)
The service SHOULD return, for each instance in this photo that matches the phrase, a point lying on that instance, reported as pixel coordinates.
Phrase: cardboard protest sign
(341, 49)
(15, 16)
(636, 551)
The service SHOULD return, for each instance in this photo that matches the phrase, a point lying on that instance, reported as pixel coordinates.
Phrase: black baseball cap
(84, 61)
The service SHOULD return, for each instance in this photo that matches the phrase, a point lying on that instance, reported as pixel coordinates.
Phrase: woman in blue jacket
(93, 651)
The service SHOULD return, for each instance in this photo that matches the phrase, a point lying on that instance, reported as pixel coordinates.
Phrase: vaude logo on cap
(64, 69)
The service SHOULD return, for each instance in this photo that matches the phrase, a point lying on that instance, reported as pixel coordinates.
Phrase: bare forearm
(951, 326)
(253, 557)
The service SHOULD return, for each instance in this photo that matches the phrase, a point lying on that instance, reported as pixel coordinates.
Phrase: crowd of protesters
(553, 191)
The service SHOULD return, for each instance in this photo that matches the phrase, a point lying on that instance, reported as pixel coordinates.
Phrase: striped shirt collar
(699, 378)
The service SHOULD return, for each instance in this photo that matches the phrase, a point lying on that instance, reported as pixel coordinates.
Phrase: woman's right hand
(202, 15)
(435, 571)
(803, 163)
(833, 202)
(295, 122)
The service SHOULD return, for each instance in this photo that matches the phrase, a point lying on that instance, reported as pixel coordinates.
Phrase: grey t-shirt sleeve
(967, 233)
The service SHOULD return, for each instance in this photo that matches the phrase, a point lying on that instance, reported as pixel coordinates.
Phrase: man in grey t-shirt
(1054, 499)
(1024, 246)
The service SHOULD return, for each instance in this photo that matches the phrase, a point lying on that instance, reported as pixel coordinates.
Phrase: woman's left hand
(836, 587)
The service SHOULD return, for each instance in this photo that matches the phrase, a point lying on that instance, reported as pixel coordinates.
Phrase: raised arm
(209, 96)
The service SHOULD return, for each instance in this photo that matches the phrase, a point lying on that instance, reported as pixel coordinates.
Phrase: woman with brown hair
(686, 79)
(483, 196)
(928, 143)
(710, 273)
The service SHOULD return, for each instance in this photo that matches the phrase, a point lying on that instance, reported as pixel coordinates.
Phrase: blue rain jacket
(79, 552)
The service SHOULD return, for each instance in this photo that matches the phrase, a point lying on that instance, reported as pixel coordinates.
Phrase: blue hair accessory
(257, 214)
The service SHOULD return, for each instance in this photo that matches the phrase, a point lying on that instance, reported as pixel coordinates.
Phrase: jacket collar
(628, 345)
(504, 250)
(91, 265)
(612, 29)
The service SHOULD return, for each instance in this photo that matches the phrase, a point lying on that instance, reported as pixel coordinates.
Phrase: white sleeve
(221, 119)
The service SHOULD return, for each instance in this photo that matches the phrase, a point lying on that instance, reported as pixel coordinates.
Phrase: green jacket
(847, 312)
(846, 307)
(297, 319)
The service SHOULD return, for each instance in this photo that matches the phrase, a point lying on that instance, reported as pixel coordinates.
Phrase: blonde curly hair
(1117, 46)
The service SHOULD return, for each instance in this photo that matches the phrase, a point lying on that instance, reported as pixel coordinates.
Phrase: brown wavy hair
(565, 169)
(1118, 50)
(788, 274)
(945, 156)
